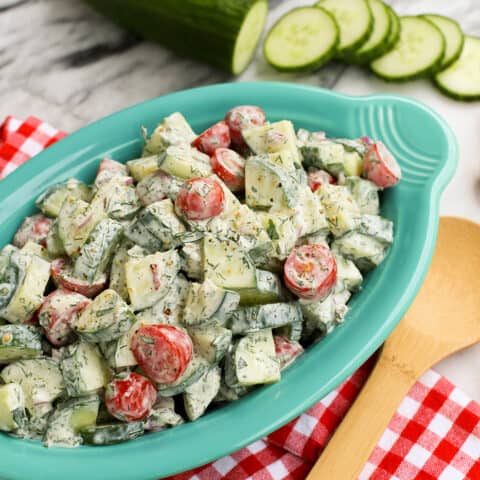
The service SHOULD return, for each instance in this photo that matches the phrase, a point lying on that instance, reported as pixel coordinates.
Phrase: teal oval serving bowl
(425, 148)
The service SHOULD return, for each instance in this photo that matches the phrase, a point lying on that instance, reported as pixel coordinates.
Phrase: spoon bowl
(444, 318)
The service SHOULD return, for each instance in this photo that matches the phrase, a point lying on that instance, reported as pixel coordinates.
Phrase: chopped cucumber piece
(207, 303)
(40, 378)
(377, 227)
(273, 138)
(111, 433)
(461, 80)
(227, 265)
(29, 293)
(268, 185)
(453, 37)
(267, 288)
(118, 280)
(304, 39)
(195, 369)
(418, 53)
(319, 315)
(84, 369)
(12, 407)
(143, 167)
(173, 130)
(50, 202)
(341, 209)
(349, 276)
(185, 162)
(354, 20)
(149, 278)
(365, 251)
(198, 396)
(253, 360)
(70, 417)
(97, 252)
(365, 194)
(157, 227)
(259, 317)
(19, 341)
(211, 341)
(104, 319)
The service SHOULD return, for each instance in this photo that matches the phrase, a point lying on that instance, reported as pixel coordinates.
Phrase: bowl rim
(92, 461)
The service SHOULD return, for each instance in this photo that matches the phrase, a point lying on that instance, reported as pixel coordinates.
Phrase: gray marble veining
(63, 62)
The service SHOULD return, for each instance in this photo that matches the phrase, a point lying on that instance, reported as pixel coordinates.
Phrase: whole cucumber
(223, 33)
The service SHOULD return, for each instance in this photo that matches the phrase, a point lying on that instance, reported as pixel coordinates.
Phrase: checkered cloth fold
(434, 435)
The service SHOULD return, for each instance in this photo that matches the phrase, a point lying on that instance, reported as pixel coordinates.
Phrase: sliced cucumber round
(375, 45)
(417, 54)
(355, 22)
(453, 37)
(462, 79)
(303, 39)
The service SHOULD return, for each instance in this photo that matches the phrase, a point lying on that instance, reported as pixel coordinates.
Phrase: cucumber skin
(206, 30)
(432, 69)
(308, 67)
(381, 49)
(453, 95)
(393, 38)
(459, 51)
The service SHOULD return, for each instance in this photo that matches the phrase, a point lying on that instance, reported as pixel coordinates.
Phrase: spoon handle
(354, 440)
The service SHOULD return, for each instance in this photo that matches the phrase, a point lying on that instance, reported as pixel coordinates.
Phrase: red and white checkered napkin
(434, 435)
(21, 140)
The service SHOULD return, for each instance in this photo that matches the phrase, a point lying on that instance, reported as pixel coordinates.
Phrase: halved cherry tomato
(61, 272)
(242, 117)
(310, 271)
(162, 351)
(216, 136)
(230, 167)
(200, 198)
(380, 166)
(318, 178)
(286, 350)
(34, 228)
(130, 397)
(58, 311)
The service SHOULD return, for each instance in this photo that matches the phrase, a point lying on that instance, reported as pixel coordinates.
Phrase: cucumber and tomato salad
(368, 32)
(226, 254)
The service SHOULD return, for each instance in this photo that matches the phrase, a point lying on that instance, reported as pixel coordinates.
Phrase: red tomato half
(310, 272)
(380, 166)
(319, 178)
(242, 117)
(61, 272)
(130, 397)
(34, 228)
(200, 199)
(57, 313)
(286, 350)
(216, 136)
(163, 351)
(230, 167)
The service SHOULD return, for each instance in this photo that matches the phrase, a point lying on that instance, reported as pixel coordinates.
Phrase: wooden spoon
(444, 318)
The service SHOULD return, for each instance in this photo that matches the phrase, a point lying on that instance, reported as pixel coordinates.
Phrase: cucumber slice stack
(369, 33)
(355, 22)
(304, 39)
(377, 43)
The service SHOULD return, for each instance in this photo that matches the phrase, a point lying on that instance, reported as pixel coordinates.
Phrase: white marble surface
(65, 64)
